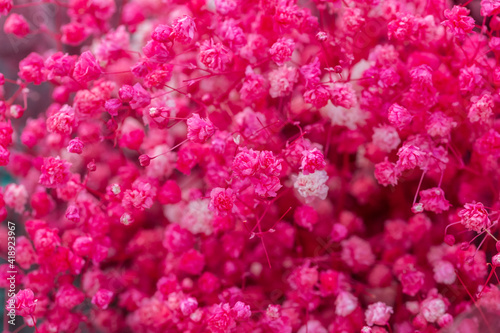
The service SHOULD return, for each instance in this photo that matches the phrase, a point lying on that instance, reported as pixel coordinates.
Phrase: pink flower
(183, 29)
(474, 217)
(386, 138)
(312, 160)
(433, 200)
(74, 33)
(312, 185)
(378, 314)
(221, 200)
(214, 56)
(75, 146)
(86, 68)
(199, 130)
(102, 298)
(245, 163)
(55, 172)
(489, 7)
(63, 121)
(345, 304)
(459, 21)
(140, 196)
(31, 68)
(411, 157)
(282, 50)
(5, 7)
(282, 81)
(16, 24)
(59, 64)
(386, 173)
(25, 302)
(254, 86)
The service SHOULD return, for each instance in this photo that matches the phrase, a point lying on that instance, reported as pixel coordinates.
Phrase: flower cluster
(269, 166)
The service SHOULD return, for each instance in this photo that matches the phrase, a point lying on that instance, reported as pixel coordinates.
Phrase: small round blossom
(312, 185)
(312, 160)
(183, 29)
(458, 21)
(140, 196)
(386, 173)
(411, 157)
(31, 68)
(489, 7)
(75, 146)
(306, 217)
(378, 314)
(474, 217)
(345, 304)
(86, 68)
(5, 7)
(386, 138)
(16, 197)
(102, 298)
(24, 301)
(63, 121)
(357, 254)
(221, 200)
(17, 25)
(55, 172)
(74, 33)
(199, 130)
(188, 306)
(444, 272)
(440, 125)
(214, 55)
(433, 200)
(481, 109)
(254, 86)
(282, 50)
(432, 309)
(282, 81)
(318, 96)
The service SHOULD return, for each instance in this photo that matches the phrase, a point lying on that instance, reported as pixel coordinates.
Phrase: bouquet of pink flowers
(260, 166)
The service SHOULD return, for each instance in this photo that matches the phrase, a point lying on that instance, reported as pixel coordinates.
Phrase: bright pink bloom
(86, 68)
(282, 50)
(386, 173)
(199, 130)
(25, 302)
(31, 68)
(214, 55)
(62, 122)
(221, 200)
(183, 29)
(474, 217)
(5, 7)
(55, 172)
(73, 33)
(489, 7)
(75, 146)
(102, 298)
(433, 200)
(16, 24)
(306, 217)
(312, 160)
(459, 21)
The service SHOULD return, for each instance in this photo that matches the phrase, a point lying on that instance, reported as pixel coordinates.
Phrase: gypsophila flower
(237, 166)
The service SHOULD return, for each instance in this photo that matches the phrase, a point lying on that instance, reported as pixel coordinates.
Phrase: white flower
(312, 185)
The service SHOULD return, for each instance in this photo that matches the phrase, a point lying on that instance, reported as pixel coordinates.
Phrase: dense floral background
(264, 166)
